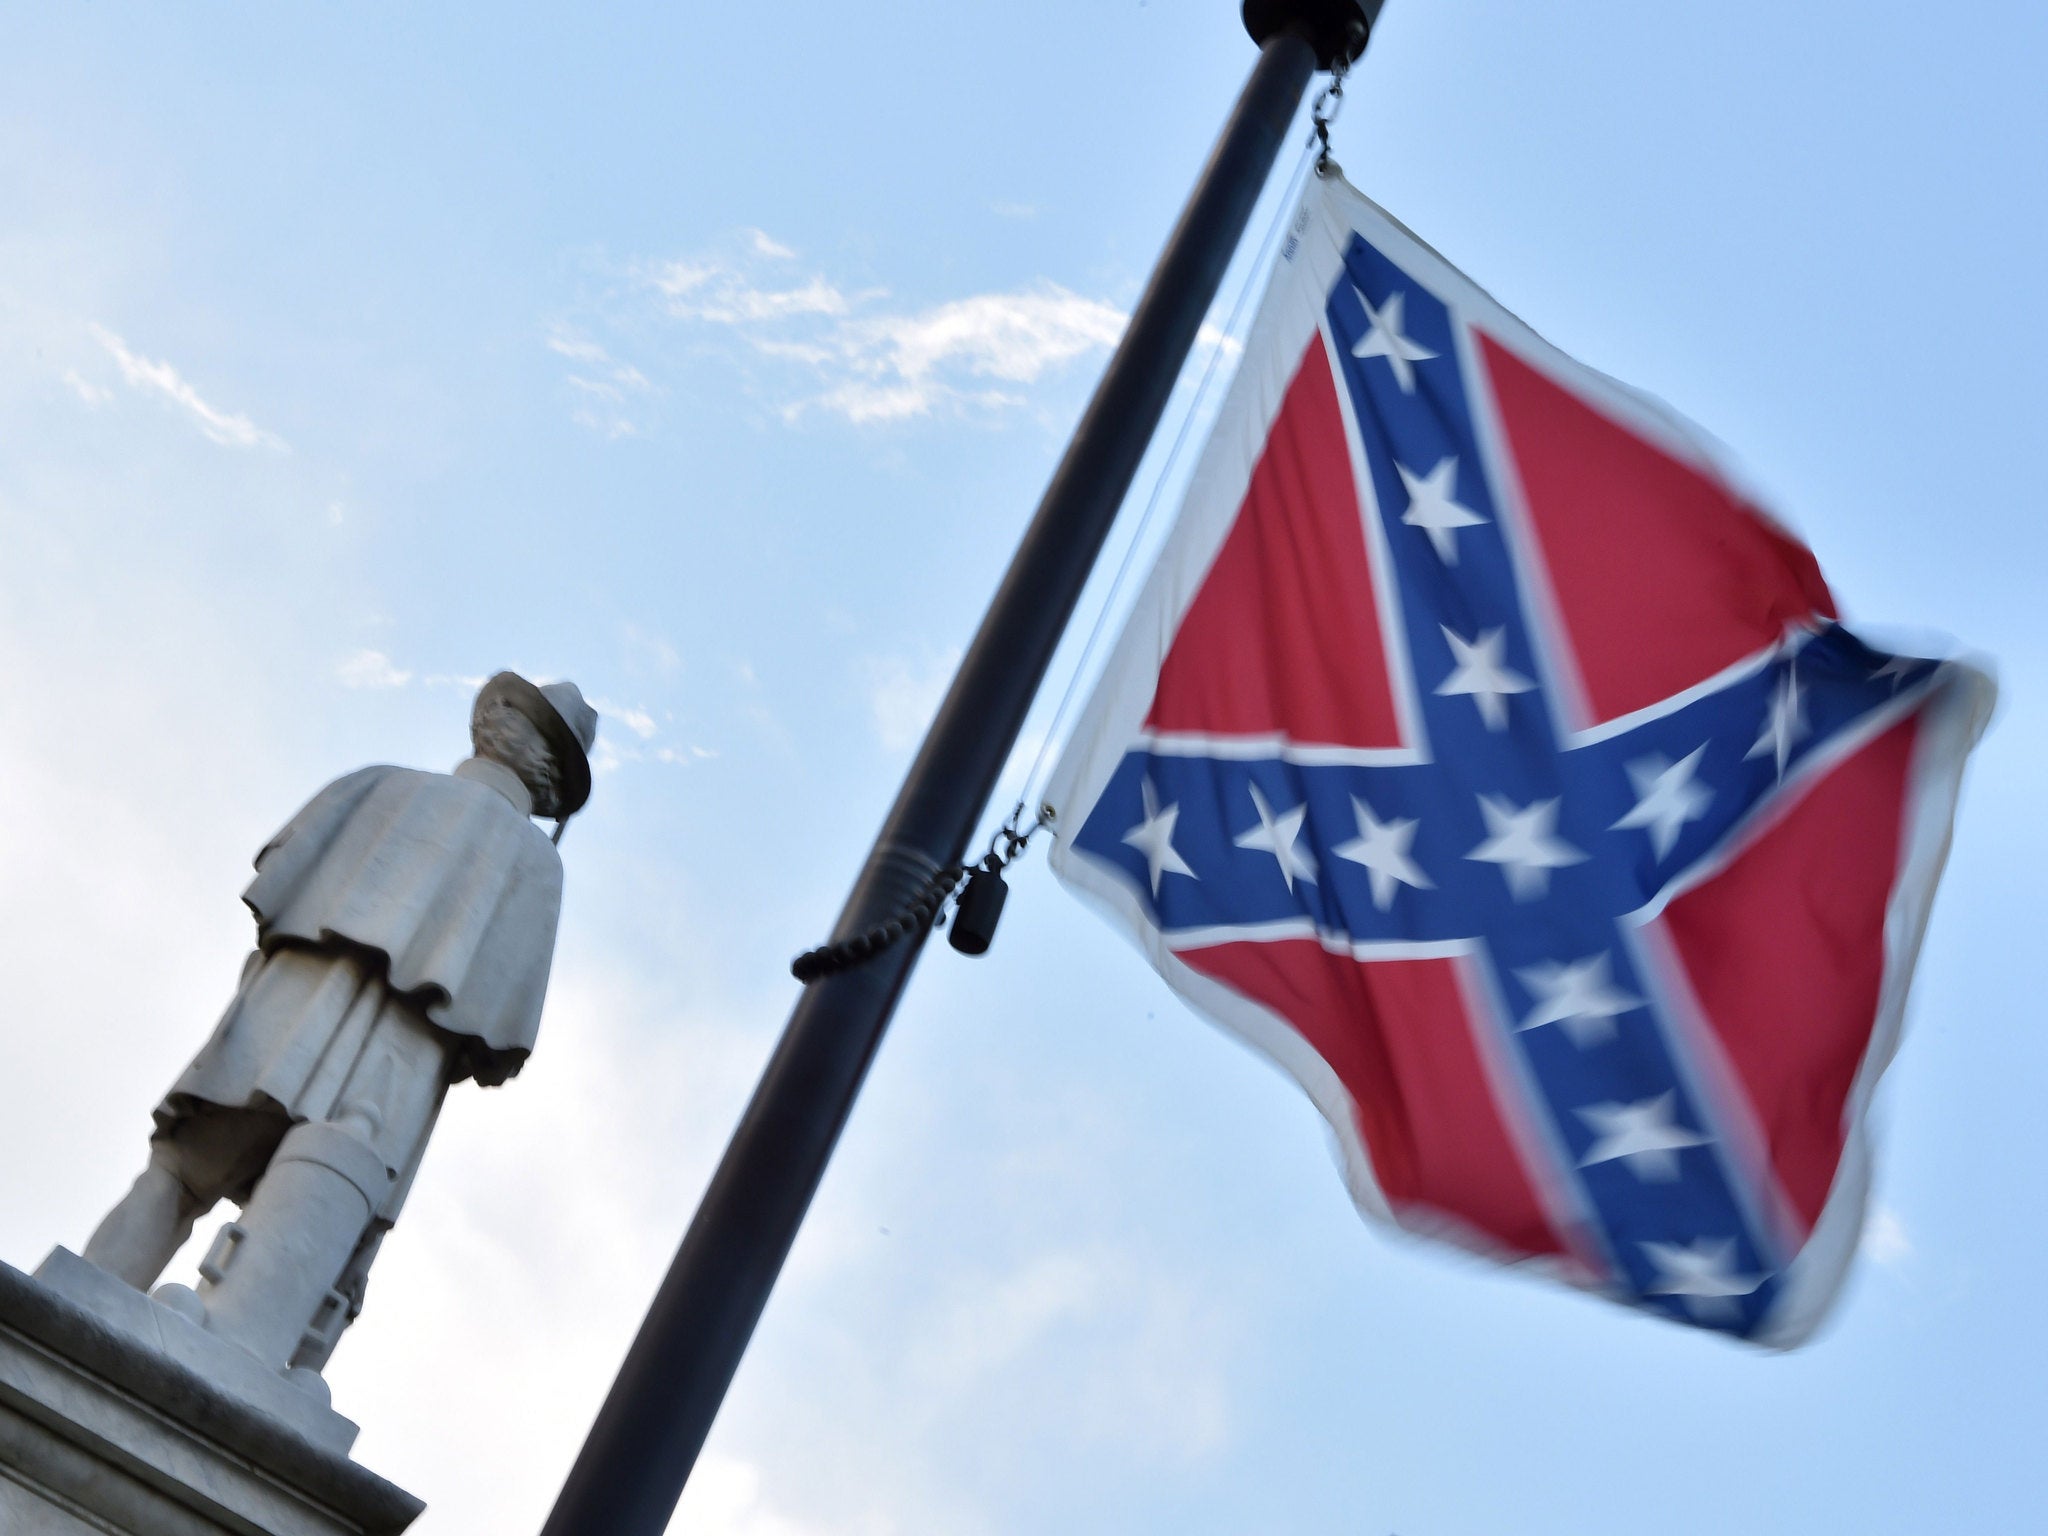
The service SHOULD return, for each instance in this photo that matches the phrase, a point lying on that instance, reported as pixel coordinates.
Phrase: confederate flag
(1484, 753)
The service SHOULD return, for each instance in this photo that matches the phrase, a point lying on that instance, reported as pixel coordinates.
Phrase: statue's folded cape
(442, 878)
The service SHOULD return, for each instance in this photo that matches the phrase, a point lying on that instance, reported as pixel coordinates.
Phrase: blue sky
(715, 361)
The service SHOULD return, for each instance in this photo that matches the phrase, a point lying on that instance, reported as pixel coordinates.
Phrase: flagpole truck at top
(630, 1473)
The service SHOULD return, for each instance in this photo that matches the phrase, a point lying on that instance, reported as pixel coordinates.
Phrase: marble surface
(103, 1428)
(155, 1326)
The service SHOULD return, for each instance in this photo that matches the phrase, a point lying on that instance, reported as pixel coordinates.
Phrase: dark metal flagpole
(640, 1450)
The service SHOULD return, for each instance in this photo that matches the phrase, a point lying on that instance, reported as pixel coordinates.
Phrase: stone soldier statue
(405, 924)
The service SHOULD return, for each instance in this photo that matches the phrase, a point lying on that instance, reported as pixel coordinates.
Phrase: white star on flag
(1643, 1134)
(1153, 837)
(1668, 795)
(1385, 340)
(1479, 671)
(1897, 668)
(1382, 847)
(1784, 723)
(1703, 1273)
(1434, 509)
(1280, 836)
(1523, 841)
(1581, 996)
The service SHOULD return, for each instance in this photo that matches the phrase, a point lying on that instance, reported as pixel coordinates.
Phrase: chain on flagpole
(1328, 103)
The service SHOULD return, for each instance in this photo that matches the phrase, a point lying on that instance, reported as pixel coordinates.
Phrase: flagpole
(646, 1437)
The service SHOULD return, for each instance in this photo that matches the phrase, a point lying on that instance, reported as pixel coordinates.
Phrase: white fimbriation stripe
(1954, 705)
(1795, 640)
(1564, 690)
(1552, 1170)
(1276, 1039)
(1641, 413)
(1711, 1078)
(1266, 748)
(1386, 589)
(1738, 1140)
(1257, 1026)
(1335, 940)
(1955, 717)
(1777, 805)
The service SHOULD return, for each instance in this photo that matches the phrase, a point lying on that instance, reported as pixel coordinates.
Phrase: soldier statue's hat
(565, 721)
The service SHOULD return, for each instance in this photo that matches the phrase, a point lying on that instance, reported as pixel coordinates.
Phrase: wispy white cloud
(765, 244)
(161, 379)
(724, 1498)
(850, 352)
(370, 669)
(607, 392)
(726, 295)
(989, 1325)
(894, 366)
(1885, 1240)
(903, 694)
(373, 669)
(648, 650)
(94, 395)
(1146, 1348)
(613, 753)
(814, 344)
(564, 341)
(638, 721)
(1016, 337)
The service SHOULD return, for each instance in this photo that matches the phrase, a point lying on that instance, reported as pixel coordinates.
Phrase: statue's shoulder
(331, 805)
(351, 787)
(382, 799)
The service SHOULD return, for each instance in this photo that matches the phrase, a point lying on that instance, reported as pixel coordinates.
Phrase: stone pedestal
(117, 1415)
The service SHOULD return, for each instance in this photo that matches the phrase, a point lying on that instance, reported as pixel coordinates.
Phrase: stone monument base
(119, 1416)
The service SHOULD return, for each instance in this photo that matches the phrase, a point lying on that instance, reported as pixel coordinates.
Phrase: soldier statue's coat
(428, 894)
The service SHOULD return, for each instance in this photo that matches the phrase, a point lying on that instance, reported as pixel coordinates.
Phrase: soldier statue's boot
(342, 1306)
(272, 1272)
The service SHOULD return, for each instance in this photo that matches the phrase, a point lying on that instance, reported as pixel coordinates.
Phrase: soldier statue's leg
(344, 1304)
(201, 1153)
(269, 1270)
(152, 1221)
(273, 1275)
